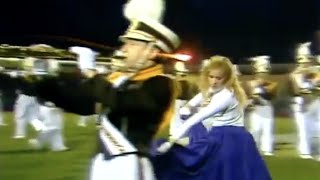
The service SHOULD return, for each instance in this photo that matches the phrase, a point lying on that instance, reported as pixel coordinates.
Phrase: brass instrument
(313, 76)
(261, 92)
(13, 58)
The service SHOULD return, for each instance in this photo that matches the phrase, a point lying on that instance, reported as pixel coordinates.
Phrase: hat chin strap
(142, 62)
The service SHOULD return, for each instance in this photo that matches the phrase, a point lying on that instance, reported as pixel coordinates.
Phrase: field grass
(18, 161)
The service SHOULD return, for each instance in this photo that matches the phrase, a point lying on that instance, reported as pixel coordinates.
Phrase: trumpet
(18, 57)
(13, 58)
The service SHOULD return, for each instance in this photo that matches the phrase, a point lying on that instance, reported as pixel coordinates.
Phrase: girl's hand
(163, 148)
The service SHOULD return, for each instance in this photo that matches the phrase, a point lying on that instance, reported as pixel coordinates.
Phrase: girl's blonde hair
(231, 78)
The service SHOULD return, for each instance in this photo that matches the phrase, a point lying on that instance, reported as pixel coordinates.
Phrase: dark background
(234, 28)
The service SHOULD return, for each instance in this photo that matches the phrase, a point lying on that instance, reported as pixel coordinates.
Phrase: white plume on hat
(145, 18)
(153, 9)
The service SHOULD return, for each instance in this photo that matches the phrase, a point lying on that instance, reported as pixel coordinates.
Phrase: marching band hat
(150, 30)
(261, 64)
(303, 53)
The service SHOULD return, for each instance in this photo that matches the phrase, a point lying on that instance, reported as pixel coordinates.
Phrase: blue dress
(223, 153)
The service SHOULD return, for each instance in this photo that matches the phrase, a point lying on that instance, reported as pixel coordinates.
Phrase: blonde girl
(220, 147)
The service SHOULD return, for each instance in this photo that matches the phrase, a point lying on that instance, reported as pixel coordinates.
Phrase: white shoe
(34, 144)
(60, 149)
(18, 137)
(268, 154)
(82, 125)
(305, 156)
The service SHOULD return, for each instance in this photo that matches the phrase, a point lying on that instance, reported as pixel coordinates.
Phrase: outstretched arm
(69, 92)
(219, 102)
(151, 95)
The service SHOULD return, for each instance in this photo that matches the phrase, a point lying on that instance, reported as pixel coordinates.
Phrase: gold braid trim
(113, 140)
(140, 76)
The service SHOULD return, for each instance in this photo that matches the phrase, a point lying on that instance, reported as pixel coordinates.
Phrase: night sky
(235, 28)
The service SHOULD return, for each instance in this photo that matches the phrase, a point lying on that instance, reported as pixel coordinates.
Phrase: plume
(153, 9)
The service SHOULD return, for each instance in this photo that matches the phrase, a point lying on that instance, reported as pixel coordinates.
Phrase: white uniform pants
(307, 120)
(129, 167)
(262, 127)
(52, 135)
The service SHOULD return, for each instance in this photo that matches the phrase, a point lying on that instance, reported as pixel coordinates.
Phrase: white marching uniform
(307, 115)
(50, 127)
(261, 116)
(261, 122)
(25, 110)
(119, 159)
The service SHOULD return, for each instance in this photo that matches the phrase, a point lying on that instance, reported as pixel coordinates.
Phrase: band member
(50, 128)
(48, 119)
(219, 144)
(304, 100)
(144, 99)
(26, 105)
(140, 92)
(261, 116)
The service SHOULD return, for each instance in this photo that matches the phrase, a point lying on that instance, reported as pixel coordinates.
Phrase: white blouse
(222, 110)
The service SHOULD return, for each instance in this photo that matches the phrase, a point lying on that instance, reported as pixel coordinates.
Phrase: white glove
(120, 80)
(163, 148)
(13, 74)
(102, 70)
(185, 111)
(258, 90)
(86, 57)
(86, 62)
(38, 125)
(298, 100)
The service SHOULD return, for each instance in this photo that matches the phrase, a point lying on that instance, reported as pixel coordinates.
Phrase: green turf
(18, 161)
